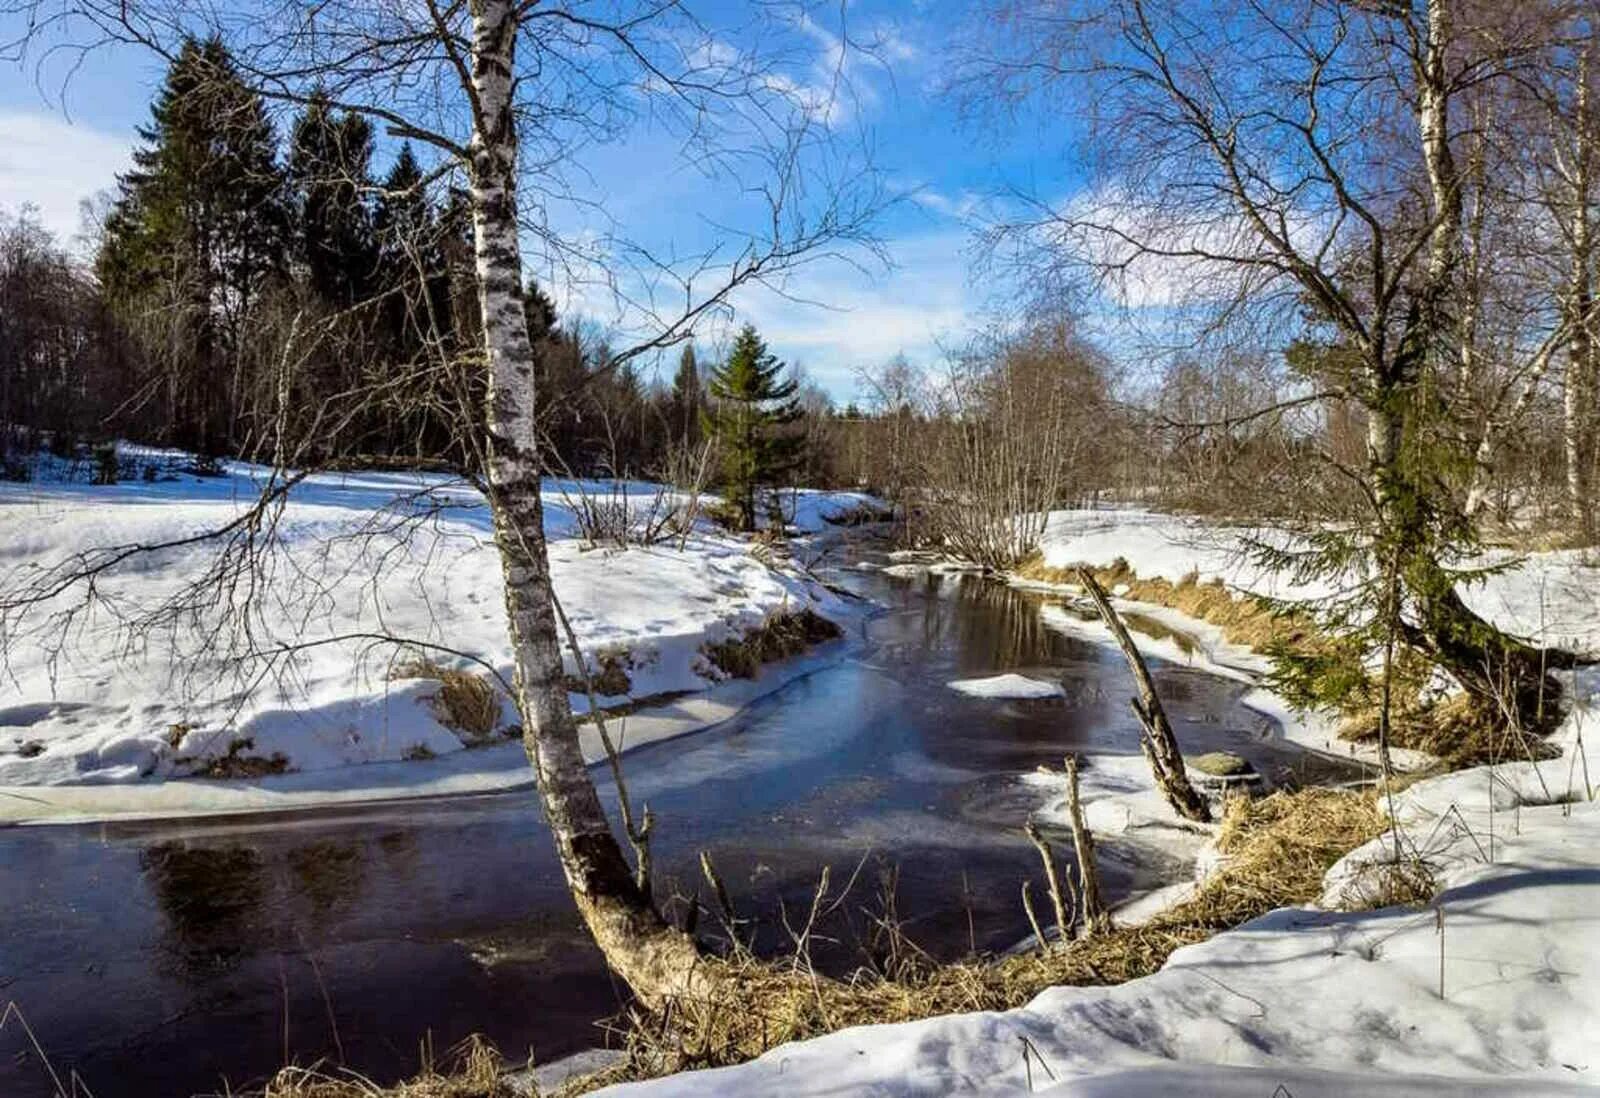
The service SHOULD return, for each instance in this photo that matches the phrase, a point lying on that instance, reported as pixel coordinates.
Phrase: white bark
(655, 959)
(1577, 417)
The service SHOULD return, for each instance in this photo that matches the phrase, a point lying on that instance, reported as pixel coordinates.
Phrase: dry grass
(464, 702)
(1277, 849)
(1407, 883)
(237, 764)
(472, 1070)
(1243, 620)
(1459, 730)
(783, 634)
(609, 674)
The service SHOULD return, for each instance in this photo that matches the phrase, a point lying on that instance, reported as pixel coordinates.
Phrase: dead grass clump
(236, 763)
(1408, 883)
(1277, 849)
(609, 675)
(464, 702)
(1243, 620)
(473, 1069)
(783, 634)
(1460, 730)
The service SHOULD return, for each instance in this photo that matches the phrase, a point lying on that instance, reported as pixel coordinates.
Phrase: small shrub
(105, 463)
(725, 515)
(418, 752)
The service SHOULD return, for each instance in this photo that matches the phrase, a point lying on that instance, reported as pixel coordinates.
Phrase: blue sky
(837, 316)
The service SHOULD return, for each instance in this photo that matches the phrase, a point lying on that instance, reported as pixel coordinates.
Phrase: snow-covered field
(1323, 1003)
(354, 556)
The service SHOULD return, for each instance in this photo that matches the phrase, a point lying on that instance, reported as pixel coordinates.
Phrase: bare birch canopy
(1248, 160)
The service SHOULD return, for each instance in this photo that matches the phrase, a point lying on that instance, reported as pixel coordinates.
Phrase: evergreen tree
(198, 231)
(688, 398)
(408, 258)
(330, 165)
(751, 406)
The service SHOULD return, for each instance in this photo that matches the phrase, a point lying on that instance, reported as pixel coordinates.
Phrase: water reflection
(328, 874)
(214, 900)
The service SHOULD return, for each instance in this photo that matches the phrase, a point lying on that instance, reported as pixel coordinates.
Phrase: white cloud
(834, 318)
(53, 165)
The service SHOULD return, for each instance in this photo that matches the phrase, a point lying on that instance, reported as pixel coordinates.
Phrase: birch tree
(503, 93)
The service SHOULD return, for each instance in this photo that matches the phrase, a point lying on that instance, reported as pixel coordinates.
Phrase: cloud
(835, 318)
(53, 165)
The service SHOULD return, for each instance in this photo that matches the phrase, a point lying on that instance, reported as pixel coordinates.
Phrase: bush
(105, 463)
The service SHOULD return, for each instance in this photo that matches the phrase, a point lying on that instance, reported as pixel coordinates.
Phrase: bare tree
(503, 92)
(1284, 170)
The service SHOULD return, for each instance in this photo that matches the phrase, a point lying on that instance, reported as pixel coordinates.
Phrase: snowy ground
(400, 555)
(1306, 1003)
(1553, 597)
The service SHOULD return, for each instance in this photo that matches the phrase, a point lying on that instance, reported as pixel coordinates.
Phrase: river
(195, 956)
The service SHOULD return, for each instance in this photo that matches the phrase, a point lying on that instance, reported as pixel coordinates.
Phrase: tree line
(244, 299)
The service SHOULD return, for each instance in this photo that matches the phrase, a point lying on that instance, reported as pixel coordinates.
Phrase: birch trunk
(1577, 422)
(656, 960)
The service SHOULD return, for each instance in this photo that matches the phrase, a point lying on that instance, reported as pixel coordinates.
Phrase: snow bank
(1303, 1002)
(1007, 686)
(1552, 597)
(361, 557)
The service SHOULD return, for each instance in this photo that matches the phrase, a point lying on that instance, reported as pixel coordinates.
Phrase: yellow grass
(464, 702)
(1244, 620)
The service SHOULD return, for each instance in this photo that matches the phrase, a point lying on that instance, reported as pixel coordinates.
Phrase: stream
(193, 956)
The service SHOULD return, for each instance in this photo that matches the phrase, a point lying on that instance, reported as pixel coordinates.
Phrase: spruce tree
(751, 405)
(197, 232)
(329, 170)
(688, 398)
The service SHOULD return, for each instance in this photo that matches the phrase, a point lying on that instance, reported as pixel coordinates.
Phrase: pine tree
(751, 406)
(330, 172)
(198, 231)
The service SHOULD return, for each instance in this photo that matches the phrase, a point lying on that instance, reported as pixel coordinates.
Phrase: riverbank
(354, 647)
(1489, 986)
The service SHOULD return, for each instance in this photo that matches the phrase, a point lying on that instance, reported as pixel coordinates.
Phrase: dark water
(190, 957)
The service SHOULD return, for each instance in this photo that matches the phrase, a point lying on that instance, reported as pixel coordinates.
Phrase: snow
(1551, 597)
(1301, 1001)
(1007, 686)
(375, 554)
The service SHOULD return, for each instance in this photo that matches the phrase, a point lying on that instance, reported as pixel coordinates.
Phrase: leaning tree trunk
(1159, 743)
(657, 960)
